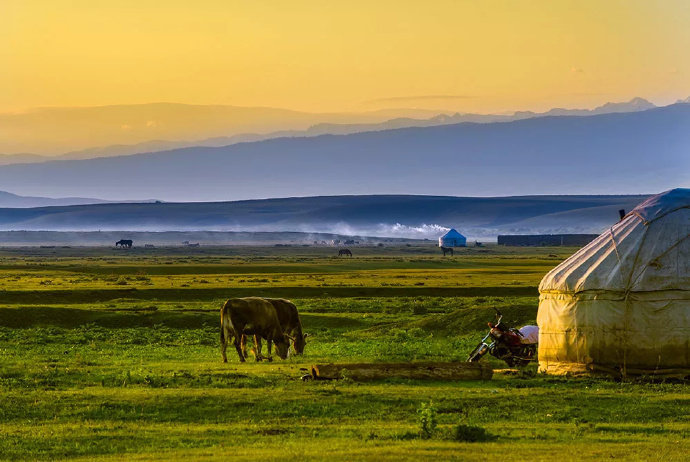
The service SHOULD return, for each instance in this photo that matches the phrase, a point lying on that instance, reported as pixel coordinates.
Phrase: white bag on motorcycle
(530, 334)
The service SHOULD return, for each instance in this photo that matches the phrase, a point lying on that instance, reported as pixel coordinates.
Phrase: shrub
(470, 434)
(419, 309)
(416, 332)
(427, 419)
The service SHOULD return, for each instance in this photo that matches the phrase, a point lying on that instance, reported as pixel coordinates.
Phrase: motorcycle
(517, 347)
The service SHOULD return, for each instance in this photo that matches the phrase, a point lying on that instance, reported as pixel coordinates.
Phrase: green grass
(95, 369)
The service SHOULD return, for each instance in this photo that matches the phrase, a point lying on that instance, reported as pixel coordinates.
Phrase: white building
(452, 239)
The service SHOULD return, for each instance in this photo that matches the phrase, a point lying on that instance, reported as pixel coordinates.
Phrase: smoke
(396, 230)
(422, 231)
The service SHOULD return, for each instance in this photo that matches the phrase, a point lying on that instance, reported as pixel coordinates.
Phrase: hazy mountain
(149, 125)
(13, 200)
(634, 105)
(59, 130)
(639, 151)
(23, 158)
(401, 216)
(9, 200)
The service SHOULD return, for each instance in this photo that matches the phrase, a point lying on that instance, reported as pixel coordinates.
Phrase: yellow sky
(475, 56)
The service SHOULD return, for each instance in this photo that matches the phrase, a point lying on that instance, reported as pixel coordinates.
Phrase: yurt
(452, 239)
(621, 305)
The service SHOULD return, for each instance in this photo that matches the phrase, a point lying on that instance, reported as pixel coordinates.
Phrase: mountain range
(595, 154)
(81, 126)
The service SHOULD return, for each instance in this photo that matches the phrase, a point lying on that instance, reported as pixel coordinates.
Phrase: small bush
(416, 332)
(427, 419)
(470, 434)
(419, 309)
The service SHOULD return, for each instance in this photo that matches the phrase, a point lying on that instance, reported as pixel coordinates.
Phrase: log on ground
(412, 370)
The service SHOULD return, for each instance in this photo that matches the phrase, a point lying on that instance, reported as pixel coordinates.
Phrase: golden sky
(474, 56)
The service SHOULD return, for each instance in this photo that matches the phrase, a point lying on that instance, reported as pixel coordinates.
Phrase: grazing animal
(250, 316)
(447, 250)
(124, 243)
(342, 252)
(288, 317)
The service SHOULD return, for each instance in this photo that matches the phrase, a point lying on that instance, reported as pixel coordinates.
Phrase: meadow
(114, 355)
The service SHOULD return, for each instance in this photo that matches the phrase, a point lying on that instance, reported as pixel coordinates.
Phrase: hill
(599, 154)
(401, 216)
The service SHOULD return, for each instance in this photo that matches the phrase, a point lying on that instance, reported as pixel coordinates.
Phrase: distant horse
(124, 243)
(342, 252)
(447, 250)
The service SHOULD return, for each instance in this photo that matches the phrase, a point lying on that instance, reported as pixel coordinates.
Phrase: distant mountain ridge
(380, 215)
(606, 153)
(322, 128)
(52, 131)
(9, 200)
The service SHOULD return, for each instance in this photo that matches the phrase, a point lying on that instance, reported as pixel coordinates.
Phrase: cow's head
(282, 344)
(299, 342)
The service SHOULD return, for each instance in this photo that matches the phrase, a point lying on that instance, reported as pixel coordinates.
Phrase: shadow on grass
(45, 316)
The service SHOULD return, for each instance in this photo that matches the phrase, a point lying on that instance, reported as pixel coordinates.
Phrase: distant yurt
(452, 239)
(621, 305)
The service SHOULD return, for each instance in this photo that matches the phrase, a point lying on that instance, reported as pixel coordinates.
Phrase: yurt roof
(452, 234)
(662, 204)
(647, 251)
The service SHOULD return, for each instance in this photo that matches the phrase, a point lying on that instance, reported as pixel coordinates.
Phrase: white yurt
(621, 304)
(452, 239)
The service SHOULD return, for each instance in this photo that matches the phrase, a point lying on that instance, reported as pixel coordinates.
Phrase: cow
(288, 317)
(344, 252)
(447, 250)
(252, 316)
(124, 243)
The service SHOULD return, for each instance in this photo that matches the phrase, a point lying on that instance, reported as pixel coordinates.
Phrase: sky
(316, 56)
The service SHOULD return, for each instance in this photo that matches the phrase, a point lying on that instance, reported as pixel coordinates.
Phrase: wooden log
(410, 370)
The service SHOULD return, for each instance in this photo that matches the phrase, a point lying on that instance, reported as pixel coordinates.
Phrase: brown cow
(253, 316)
(289, 322)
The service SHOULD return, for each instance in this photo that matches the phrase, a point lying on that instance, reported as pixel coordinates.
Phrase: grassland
(113, 355)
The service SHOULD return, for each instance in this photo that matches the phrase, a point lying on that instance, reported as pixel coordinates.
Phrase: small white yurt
(621, 305)
(452, 239)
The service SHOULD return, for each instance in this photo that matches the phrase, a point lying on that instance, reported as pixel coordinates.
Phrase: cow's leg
(257, 348)
(243, 344)
(269, 343)
(238, 346)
